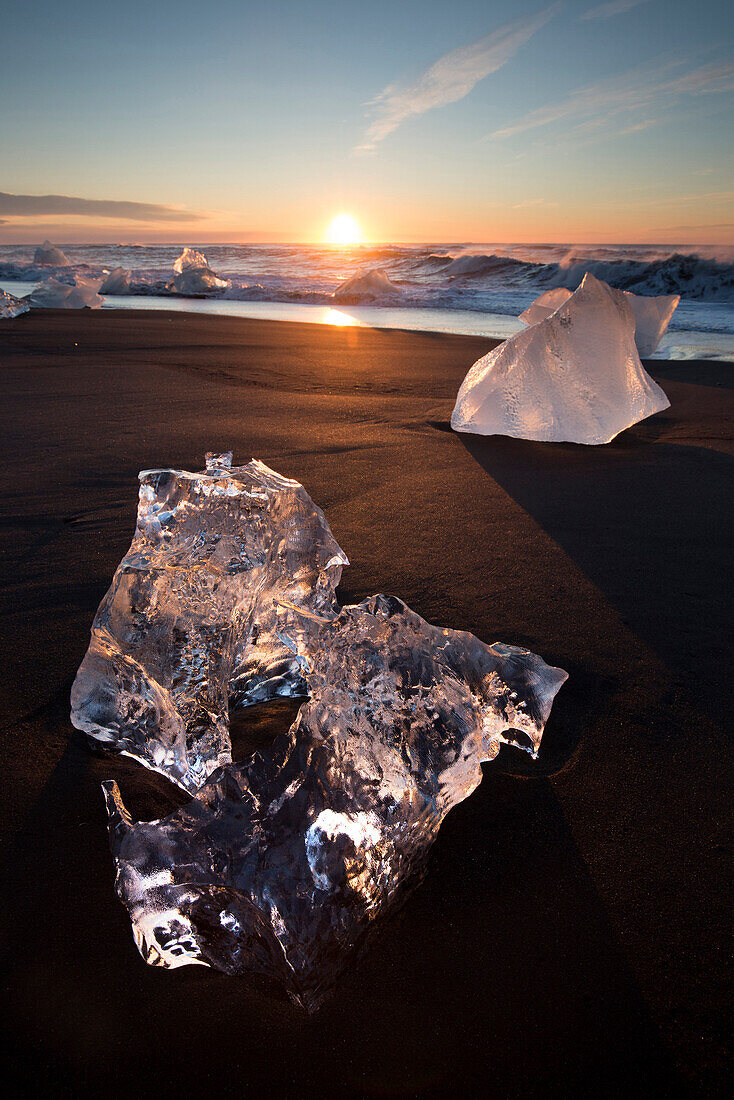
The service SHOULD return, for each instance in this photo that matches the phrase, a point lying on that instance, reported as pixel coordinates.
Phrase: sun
(343, 229)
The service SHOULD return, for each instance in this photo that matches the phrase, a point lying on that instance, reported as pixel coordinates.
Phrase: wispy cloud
(638, 126)
(451, 78)
(30, 206)
(644, 89)
(614, 7)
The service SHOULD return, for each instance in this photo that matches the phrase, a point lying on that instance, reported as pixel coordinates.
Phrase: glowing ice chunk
(192, 275)
(117, 282)
(81, 294)
(366, 287)
(280, 864)
(575, 376)
(48, 255)
(10, 306)
(191, 625)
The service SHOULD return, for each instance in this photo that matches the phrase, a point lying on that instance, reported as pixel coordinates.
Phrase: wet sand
(571, 936)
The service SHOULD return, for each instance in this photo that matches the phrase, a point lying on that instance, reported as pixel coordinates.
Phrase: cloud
(615, 7)
(641, 89)
(451, 78)
(638, 126)
(30, 206)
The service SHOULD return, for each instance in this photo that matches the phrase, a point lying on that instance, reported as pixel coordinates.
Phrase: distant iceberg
(652, 315)
(192, 275)
(51, 294)
(10, 306)
(117, 282)
(574, 377)
(48, 255)
(366, 287)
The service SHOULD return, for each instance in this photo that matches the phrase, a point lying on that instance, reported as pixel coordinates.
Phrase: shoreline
(574, 916)
(676, 344)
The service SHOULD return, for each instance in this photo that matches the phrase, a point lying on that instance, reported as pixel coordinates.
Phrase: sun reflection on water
(336, 317)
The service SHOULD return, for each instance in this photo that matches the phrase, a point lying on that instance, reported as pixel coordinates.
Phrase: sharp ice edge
(80, 294)
(192, 621)
(368, 286)
(652, 314)
(11, 307)
(575, 376)
(192, 275)
(281, 863)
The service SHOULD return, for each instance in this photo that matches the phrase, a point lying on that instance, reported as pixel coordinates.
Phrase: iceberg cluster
(367, 287)
(652, 315)
(48, 255)
(192, 622)
(193, 276)
(10, 306)
(81, 294)
(574, 377)
(281, 863)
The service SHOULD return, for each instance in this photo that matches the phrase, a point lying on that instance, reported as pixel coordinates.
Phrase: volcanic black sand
(570, 938)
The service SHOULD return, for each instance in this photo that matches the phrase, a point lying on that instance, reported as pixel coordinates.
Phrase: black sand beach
(571, 936)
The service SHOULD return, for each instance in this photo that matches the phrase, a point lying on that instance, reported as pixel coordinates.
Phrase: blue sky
(465, 121)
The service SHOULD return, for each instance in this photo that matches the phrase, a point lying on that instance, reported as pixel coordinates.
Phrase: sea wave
(496, 278)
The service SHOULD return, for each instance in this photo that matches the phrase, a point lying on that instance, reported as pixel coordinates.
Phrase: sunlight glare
(336, 317)
(344, 229)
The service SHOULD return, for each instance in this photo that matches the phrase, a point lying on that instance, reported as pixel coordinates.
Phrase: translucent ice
(652, 315)
(366, 287)
(117, 282)
(190, 624)
(547, 303)
(48, 255)
(281, 863)
(10, 306)
(192, 274)
(81, 294)
(576, 376)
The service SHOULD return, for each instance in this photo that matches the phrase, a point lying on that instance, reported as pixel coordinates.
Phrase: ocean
(463, 288)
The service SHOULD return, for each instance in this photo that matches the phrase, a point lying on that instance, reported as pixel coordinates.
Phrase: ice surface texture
(10, 306)
(48, 255)
(281, 863)
(652, 315)
(192, 275)
(367, 287)
(191, 623)
(81, 294)
(575, 376)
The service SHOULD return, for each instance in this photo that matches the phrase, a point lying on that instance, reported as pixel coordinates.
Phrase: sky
(500, 121)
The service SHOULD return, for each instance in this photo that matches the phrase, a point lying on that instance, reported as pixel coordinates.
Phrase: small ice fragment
(117, 282)
(48, 255)
(193, 276)
(367, 287)
(10, 306)
(81, 294)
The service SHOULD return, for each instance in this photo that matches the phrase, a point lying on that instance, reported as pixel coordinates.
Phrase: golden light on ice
(343, 229)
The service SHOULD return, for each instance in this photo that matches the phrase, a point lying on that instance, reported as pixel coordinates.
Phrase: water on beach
(477, 289)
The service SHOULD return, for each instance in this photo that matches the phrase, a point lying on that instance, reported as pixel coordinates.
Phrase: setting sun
(344, 229)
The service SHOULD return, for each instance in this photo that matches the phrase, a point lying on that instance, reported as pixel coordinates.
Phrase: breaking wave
(499, 279)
